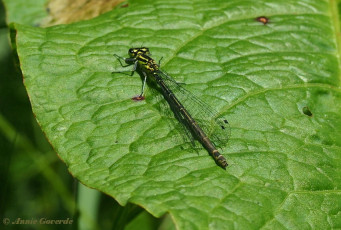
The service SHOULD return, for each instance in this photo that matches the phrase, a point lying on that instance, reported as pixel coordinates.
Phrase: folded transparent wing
(216, 127)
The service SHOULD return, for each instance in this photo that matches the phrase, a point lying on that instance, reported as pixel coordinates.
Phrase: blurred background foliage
(35, 182)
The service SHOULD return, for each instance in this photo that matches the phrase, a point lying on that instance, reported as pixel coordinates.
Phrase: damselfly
(200, 119)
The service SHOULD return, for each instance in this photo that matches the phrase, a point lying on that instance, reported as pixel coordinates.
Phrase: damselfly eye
(132, 52)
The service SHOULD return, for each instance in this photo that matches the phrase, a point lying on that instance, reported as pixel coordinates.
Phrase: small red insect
(263, 20)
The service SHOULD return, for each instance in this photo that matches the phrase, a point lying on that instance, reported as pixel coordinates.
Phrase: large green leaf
(278, 84)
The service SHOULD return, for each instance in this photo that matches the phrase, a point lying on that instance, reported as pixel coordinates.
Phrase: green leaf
(29, 12)
(278, 84)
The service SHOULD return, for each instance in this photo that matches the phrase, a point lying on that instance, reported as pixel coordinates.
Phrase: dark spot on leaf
(226, 122)
(263, 20)
(48, 10)
(138, 98)
(323, 139)
(307, 111)
(124, 5)
(222, 127)
(315, 138)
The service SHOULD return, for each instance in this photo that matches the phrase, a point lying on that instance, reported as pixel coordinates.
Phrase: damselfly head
(134, 52)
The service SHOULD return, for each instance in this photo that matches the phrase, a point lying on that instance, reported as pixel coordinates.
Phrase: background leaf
(278, 85)
(53, 12)
(28, 12)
